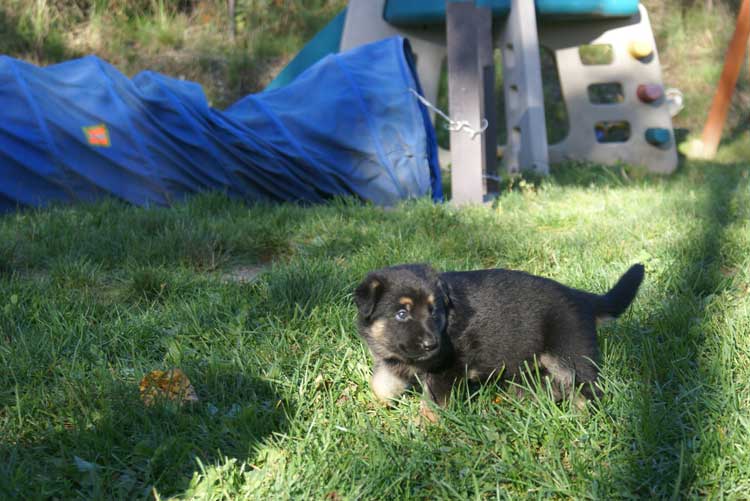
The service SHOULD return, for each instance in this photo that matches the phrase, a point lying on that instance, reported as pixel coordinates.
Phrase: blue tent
(349, 125)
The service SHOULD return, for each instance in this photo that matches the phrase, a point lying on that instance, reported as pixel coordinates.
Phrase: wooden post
(232, 20)
(717, 115)
(467, 29)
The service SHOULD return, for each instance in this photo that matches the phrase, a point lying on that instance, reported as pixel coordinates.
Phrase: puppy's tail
(616, 301)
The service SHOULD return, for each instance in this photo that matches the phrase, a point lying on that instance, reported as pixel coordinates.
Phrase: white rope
(453, 125)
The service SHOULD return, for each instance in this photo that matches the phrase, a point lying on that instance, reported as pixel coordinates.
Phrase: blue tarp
(81, 130)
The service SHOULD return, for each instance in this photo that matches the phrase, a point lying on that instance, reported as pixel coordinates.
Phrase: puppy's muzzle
(427, 349)
(430, 345)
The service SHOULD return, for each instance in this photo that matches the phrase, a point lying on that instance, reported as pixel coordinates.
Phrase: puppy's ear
(368, 294)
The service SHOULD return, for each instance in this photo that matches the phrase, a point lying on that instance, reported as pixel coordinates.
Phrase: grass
(94, 297)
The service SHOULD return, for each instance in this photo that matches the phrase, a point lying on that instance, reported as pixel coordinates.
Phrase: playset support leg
(468, 28)
(524, 98)
(489, 106)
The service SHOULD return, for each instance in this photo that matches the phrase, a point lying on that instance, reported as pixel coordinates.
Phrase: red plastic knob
(648, 93)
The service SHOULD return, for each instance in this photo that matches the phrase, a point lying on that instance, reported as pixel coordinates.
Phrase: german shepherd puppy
(440, 327)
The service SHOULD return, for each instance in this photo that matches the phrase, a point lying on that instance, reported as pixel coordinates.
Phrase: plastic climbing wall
(611, 83)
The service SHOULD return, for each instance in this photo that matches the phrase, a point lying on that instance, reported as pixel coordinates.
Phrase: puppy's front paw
(386, 385)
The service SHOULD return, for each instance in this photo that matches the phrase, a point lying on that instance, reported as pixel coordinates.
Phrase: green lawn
(93, 298)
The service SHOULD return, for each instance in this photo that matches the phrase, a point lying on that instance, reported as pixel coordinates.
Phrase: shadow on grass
(672, 406)
(114, 447)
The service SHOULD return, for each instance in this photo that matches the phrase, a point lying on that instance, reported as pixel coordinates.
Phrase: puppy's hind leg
(386, 383)
(565, 377)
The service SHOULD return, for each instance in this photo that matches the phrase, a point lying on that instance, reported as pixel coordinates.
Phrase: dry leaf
(342, 399)
(426, 412)
(167, 385)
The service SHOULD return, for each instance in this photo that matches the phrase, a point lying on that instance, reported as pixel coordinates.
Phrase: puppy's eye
(402, 315)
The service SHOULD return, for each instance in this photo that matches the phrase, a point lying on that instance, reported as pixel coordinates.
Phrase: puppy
(440, 327)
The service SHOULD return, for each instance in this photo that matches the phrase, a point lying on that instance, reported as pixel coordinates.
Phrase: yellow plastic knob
(640, 49)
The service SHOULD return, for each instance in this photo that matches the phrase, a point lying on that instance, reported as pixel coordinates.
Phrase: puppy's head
(402, 313)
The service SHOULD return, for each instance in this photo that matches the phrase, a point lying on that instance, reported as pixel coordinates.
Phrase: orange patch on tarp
(97, 135)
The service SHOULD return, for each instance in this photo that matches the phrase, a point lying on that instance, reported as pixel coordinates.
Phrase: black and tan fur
(437, 328)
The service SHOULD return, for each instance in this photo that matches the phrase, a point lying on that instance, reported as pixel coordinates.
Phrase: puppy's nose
(429, 344)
